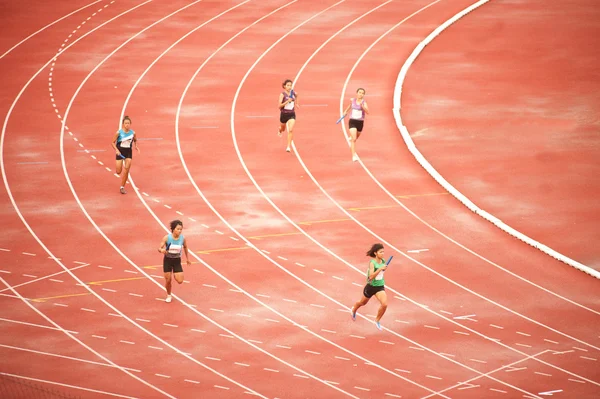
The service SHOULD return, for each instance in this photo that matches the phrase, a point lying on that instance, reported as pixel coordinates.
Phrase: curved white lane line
(158, 284)
(46, 27)
(18, 211)
(444, 183)
(359, 271)
(84, 211)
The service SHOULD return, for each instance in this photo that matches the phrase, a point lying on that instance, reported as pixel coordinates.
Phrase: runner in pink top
(358, 107)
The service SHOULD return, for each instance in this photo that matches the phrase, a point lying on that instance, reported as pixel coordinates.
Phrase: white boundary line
(46, 27)
(440, 179)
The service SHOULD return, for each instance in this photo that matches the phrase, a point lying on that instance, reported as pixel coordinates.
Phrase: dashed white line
(313, 352)
(552, 342)
(226, 336)
(127, 342)
(271, 370)
(137, 295)
(478, 361)
(522, 333)
(30, 275)
(196, 330)
(300, 376)
(329, 331)
(357, 336)
(212, 358)
(162, 375)
(580, 349)
(155, 347)
(220, 387)
(433, 377)
(544, 374)
(392, 395)
(318, 271)
(318, 306)
(192, 381)
(446, 354)
(300, 264)
(283, 346)
(28, 254)
(524, 345)
(460, 332)
(497, 390)
(338, 278)
(272, 321)
(363, 389)
(104, 267)
(254, 341)
(170, 325)
(243, 315)
(61, 304)
(242, 364)
(402, 371)
(387, 342)
(88, 310)
(588, 358)
(109, 290)
(55, 280)
(289, 300)
(416, 348)
(262, 295)
(433, 327)
(402, 321)
(581, 382)
(98, 336)
(341, 358)
(209, 286)
(131, 271)
(282, 258)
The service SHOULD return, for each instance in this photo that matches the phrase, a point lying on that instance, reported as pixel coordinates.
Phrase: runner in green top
(375, 283)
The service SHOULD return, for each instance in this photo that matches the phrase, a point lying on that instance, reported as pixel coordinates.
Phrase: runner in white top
(359, 109)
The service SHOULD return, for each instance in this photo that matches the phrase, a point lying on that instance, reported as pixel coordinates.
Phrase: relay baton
(341, 118)
(389, 260)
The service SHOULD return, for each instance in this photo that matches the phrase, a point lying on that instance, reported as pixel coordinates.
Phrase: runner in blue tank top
(375, 283)
(172, 245)
(359, 109)
(122, 142)
(288, 102)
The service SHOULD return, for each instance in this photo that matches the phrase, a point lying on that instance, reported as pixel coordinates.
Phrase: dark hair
(176, 223)
(126, 118)
(360, 88)
(286, 82)
(376, 247)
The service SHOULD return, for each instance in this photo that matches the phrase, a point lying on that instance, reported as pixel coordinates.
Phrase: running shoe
(122, 190)
(378, 325)
(354, 158)
(169, 299)
(287, 149)
(353, 315)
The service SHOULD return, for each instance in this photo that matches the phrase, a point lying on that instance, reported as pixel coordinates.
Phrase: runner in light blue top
(122, 142)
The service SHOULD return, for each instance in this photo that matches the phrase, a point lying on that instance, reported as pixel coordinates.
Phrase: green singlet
(378, 281)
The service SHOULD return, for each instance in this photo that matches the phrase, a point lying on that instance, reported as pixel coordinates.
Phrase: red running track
(278, 238)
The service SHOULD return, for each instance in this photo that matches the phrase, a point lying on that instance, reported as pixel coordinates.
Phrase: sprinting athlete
(172, 245)
(375, 283)
(122, 142)
(358, 107)
(288, 102)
